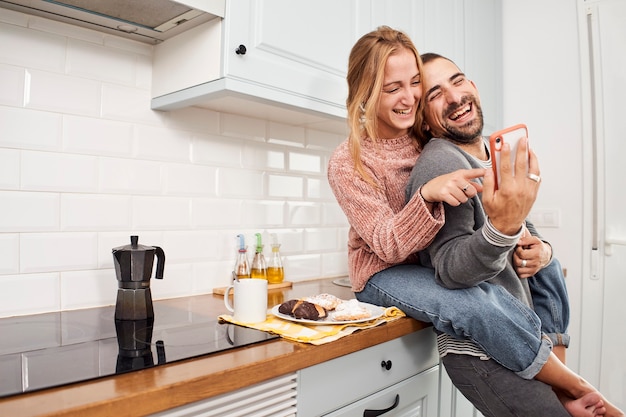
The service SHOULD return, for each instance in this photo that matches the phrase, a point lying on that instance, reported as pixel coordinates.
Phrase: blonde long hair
(366, 72)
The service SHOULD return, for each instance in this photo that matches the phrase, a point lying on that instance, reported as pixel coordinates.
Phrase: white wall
(84, 163)
(542, 88)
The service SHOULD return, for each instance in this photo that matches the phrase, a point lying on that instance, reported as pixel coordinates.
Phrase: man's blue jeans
(506, 329)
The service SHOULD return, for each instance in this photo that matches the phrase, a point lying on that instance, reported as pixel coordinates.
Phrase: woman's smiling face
(400, 95)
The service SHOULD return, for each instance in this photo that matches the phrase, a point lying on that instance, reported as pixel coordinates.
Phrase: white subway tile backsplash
(191, 246)
(128, 104)
(163, 213)
(97, 136)
(9, 169)
(257, 213)
(262, 157)
(129, 176)
(317, 239)
(162, 144)
(177, 281)
(85, 163)
(26, 212)
(304, 162)
(185, 179)
(209, 275)
(29, 294)
(334, 264)
(12, 85)
(95, 212)
(285, 186)
(9, 253)
(46, 252)
(325, 141)
(286, 135)
(217, 150)
(143, 71)
(243, 127)
(240, 183)
(61, 93)
(214, 213)
(291, 241)
(333, 215)
(194, 119)
(305, 214)
(32, 48)
(100, 63)
(139, 48)
(30, 129)
(86, 289)
(303, 267)
(47, 171)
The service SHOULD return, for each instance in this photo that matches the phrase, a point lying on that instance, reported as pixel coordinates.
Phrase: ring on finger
(524, 263)
(464, 189)
(534, 177)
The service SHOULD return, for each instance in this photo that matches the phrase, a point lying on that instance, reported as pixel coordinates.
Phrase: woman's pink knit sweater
(384, 231)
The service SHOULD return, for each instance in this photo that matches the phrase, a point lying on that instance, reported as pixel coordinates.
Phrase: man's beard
(470, 131)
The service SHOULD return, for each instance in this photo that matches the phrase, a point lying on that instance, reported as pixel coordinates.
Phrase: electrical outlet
(546, 217)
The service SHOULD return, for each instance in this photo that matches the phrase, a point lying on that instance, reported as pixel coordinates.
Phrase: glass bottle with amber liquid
(275, 271)
(242, 267)
(259, 267)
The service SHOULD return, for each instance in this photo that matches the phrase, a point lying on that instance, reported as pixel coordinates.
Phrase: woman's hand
(454, 188)
(531, 255)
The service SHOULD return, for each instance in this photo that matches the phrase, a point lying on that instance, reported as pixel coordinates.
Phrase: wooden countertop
(163, 387)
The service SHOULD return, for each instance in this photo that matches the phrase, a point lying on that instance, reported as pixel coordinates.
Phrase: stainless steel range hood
(149, 21)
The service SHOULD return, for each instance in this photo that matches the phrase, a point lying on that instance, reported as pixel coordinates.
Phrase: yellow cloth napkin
(315, 334)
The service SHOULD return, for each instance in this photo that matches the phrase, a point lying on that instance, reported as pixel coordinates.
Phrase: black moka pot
(133, 267)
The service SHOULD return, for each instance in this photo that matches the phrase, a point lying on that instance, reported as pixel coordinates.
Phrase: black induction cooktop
(47, 350)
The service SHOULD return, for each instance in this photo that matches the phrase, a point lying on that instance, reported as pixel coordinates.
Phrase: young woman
(368, 174)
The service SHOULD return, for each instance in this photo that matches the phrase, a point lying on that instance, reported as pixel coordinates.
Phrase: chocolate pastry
(309, 311)
(287, 307)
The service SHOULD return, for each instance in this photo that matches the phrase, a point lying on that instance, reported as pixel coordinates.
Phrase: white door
(604, 289)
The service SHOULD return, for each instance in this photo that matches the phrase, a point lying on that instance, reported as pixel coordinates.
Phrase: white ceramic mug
(250, 300)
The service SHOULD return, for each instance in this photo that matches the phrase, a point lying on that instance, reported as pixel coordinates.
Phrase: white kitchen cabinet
(295, 58)
(296, 54)
(371, 379)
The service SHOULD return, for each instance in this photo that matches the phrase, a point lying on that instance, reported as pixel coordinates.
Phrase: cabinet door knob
(241, 50)
(386, 364)
(375, 413)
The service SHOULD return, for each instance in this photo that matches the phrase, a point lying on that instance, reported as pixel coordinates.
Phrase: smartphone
(510, 135)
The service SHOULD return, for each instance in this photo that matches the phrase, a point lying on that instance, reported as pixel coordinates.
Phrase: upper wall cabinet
(278, 59)
(286, 60)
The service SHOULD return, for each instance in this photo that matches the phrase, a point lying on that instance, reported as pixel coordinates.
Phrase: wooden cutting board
(284, 284)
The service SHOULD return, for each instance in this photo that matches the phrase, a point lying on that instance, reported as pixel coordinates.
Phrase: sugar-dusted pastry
(350, 310)
(328, 301)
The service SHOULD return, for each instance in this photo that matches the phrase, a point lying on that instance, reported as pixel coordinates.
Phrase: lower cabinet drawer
(417, 396)
(334, 384)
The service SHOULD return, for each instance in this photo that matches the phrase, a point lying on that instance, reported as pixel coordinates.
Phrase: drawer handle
(374, 413)
(386, 365)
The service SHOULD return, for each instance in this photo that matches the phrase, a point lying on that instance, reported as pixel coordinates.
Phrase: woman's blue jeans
(506, 329)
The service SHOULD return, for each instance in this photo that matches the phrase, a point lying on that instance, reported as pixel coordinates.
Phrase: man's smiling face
(452, 103)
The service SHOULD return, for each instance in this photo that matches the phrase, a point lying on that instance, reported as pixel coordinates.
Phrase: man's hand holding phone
(508, 205)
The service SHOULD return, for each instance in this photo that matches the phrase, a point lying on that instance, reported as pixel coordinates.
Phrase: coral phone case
(510, 135)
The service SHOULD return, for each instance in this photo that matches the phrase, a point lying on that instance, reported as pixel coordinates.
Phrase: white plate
(375, 312)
